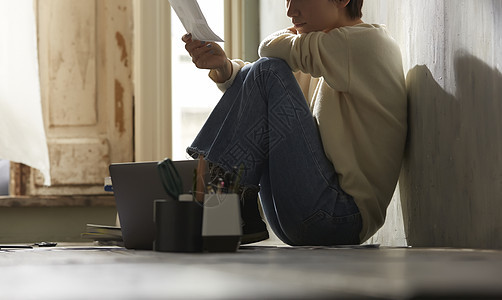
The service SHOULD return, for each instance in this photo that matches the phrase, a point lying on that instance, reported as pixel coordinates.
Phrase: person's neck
(352, 22)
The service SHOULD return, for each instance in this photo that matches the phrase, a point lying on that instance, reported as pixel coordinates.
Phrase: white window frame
(152, 85)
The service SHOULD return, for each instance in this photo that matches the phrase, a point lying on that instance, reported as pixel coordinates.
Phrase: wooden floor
(254, 272)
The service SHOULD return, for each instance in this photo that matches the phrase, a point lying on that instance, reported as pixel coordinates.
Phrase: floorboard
(254, 272)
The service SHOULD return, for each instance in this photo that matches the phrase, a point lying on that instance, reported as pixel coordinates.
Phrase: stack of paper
(102, 233)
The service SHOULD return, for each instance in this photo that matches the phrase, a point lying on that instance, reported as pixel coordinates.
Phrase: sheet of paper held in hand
(193, 20)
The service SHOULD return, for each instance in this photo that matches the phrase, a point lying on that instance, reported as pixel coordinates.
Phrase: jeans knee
(272, 63)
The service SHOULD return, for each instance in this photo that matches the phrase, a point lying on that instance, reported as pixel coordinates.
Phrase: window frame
(152, 87)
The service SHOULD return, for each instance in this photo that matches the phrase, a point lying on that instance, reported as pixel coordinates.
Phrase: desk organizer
(221, 223)
(178, 226)
(189, 226)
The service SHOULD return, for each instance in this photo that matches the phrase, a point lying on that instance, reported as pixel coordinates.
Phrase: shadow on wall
(451, 182)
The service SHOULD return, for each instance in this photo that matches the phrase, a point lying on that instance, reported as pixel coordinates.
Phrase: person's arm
(211, 56)
(320, 54)
(223, 74)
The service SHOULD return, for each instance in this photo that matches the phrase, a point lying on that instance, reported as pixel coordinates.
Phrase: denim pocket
(323, 229)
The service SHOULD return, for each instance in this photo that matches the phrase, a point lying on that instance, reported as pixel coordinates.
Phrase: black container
(178, 226)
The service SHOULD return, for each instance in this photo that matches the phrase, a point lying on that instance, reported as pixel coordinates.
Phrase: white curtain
(22, 134)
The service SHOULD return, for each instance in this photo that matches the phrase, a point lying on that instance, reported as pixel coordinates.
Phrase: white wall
(272, 17)
(451, 184)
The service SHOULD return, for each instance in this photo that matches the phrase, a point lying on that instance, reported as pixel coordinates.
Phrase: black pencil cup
(178, 226)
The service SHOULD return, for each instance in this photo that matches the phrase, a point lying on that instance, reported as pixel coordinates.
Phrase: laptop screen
(136, 186)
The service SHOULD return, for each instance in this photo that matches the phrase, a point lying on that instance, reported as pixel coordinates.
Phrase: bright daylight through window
(194, 94)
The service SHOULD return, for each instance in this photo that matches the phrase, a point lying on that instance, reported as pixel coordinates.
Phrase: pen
(210, 190)
(201, 170)
(194, 185)
(41, 244)
(238, 179)
(16, 247)
(221, 185)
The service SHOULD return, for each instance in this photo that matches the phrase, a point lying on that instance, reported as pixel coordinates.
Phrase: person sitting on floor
(319, 123)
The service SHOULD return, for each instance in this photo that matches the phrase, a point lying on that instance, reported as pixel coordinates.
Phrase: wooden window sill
(58, 201)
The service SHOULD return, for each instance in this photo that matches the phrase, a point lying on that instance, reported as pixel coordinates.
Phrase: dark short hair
(355, 8)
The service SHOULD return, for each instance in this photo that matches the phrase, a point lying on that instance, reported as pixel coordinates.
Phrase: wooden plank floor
(254, 272)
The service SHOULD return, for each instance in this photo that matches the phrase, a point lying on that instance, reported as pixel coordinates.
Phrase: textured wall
(451, 184)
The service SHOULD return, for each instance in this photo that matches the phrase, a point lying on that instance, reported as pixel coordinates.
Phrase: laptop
(136, 186)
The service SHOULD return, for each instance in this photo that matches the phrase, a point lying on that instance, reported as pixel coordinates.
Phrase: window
(172, 97)
(193, 94)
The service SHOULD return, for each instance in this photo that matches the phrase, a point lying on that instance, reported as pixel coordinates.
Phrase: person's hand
(293, 30)
(209, 55)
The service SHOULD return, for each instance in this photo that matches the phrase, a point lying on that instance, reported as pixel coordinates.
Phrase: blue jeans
(263, 122)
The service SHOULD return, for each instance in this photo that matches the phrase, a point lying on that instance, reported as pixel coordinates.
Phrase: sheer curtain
(22, 134)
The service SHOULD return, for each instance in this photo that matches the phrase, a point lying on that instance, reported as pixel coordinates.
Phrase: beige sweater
(353, 80)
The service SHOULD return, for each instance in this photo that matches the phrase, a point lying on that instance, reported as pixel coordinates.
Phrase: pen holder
(221, 223)
(178, 226)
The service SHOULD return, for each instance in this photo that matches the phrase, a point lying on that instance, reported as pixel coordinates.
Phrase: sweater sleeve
(318, 53)
(237, 65)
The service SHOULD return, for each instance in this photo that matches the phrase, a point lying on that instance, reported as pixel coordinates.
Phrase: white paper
(193, 20)
(22, 133)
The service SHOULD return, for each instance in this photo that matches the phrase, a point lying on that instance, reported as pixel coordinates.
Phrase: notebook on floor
(136, 186)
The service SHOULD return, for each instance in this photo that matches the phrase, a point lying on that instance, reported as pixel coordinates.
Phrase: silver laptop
(136, 186)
